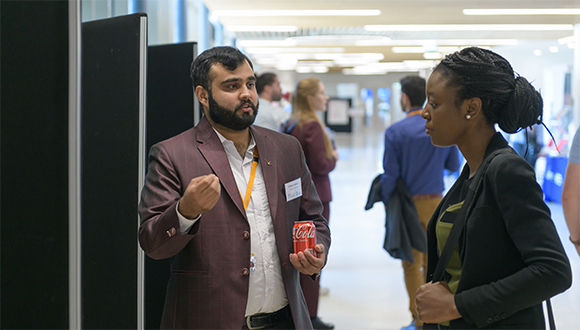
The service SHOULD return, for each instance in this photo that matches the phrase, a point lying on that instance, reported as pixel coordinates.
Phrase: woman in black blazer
(509, 257)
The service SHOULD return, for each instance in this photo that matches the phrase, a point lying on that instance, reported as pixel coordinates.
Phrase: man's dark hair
(507, 98)
(229, 57)
(414, 87)
(265, 79)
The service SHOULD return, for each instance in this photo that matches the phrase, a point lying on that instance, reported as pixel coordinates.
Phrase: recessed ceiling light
(554, 49)
(471, 27)
(336, 39)
(545, 11)
(277, 50)
(417, 50)
(262, 28)
(432, 55)
(566, 40)
(265, 43)
(538, 52)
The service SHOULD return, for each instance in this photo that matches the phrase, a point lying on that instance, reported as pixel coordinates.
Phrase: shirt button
(246, 235)
(245, 272)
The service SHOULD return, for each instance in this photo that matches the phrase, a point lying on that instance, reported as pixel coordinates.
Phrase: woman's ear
(202, 95)
(474, 107)
(309, 100)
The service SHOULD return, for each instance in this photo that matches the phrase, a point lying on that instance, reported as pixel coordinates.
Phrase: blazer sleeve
(158, 232)
(546, 268)
(315, 150)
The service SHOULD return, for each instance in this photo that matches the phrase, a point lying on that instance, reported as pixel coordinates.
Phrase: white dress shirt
(270, 116)
(266, 290)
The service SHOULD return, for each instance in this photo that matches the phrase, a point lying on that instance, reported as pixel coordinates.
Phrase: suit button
(489, 320)
(496, 318)
(504, 315)
(245, 272)
(246, 235)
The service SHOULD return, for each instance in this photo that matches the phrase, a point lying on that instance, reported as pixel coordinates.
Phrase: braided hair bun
(507, 98)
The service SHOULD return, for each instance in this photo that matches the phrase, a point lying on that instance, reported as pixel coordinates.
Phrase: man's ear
(266, 92)
(405, 100)
(202, 95)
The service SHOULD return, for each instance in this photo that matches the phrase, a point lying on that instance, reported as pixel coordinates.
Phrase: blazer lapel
(212, 150)
(268, 162)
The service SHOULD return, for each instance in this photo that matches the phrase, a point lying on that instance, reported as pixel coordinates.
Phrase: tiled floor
(366, 289)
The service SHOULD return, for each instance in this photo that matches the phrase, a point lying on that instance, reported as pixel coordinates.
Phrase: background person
(270, 116)
(528, 143)
(571, 192)
(321, 158)
(509, 257)
(409, 155)
(212, 203)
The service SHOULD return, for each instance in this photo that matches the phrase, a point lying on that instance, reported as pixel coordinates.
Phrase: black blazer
(512, 258)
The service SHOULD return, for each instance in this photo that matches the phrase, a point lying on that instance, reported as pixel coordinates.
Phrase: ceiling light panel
(295, 13)
(545, 11)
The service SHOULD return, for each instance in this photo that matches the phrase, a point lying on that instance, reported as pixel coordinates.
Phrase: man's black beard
(230, 119)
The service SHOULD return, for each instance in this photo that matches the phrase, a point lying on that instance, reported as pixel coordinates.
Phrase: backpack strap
(289, 126)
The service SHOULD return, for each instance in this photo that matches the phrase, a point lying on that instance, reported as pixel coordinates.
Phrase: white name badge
(293, 189)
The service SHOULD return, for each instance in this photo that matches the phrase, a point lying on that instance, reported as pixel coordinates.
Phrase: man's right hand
(201, 195)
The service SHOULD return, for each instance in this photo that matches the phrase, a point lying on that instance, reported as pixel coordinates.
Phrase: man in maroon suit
(220, 200)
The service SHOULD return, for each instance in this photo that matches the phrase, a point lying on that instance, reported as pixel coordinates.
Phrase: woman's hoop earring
(468, 117)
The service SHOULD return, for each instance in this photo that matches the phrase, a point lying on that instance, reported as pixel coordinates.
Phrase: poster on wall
(337, 113)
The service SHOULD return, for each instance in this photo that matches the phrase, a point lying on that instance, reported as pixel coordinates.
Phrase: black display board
(112, 120)
(170, 111)
(170, 96)
(34, 165)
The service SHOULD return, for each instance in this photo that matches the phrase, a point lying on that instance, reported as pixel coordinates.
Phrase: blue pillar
(202, 21)
(180, 22)
(218, 34)
(136, 6)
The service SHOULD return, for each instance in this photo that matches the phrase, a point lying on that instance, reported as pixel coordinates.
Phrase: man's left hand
(308, 264)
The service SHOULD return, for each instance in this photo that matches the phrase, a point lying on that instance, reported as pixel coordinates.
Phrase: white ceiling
(319, 32)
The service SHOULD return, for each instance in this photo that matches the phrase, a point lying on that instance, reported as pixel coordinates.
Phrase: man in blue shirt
(409, 155)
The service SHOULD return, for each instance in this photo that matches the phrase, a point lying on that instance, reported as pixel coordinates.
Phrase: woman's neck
(474, 147)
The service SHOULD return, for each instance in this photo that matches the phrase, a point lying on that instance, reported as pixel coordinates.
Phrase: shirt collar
(414, 111)
(229, 145)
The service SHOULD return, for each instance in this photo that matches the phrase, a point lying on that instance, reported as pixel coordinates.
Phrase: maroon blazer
(311, 137)
(208, 286)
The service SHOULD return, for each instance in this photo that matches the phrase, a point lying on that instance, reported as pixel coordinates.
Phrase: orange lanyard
(251, 181)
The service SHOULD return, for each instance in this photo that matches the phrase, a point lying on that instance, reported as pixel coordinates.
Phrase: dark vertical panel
(169, 112)
(110, 171)
(34, 165)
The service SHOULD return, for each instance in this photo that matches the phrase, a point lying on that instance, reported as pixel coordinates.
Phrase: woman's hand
(435, 303)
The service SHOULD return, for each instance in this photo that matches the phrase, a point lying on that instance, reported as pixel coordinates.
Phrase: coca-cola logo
(304, 232)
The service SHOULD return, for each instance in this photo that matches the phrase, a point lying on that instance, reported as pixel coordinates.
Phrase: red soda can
(304, 236)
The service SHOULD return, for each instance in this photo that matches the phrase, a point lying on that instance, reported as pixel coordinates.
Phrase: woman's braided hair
(507, 98)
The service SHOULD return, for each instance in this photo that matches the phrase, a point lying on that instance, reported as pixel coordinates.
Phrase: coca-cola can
(304, 236)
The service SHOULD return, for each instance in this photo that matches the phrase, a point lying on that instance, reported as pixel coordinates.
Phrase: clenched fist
(200, 196)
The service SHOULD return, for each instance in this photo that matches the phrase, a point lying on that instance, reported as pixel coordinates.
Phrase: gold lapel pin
(268, 162)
